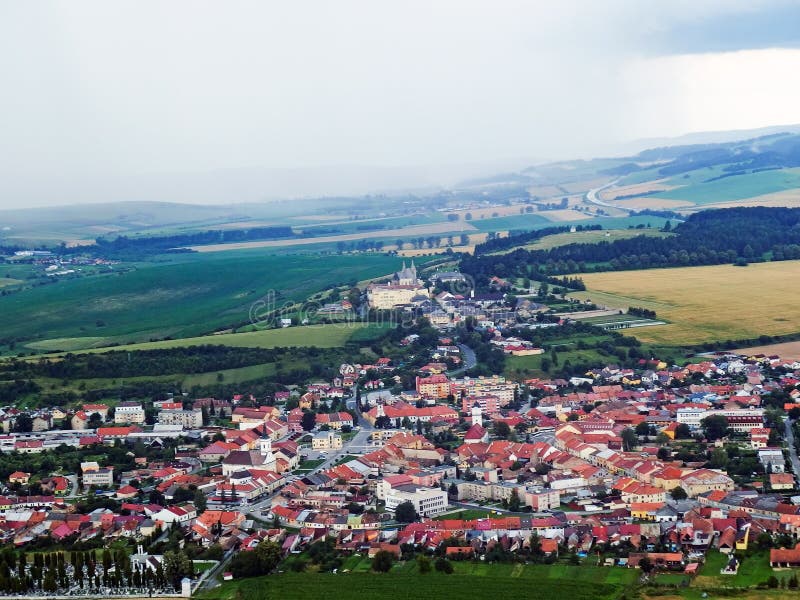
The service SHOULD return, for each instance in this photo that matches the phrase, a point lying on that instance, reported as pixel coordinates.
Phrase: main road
(789, 435)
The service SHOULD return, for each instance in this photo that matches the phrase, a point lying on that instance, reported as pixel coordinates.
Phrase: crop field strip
(705, 303)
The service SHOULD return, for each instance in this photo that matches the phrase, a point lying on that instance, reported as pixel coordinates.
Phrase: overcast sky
(94, 93)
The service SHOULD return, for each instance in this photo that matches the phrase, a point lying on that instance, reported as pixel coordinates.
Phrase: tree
(382, 561)
(645, 565)
(405, 512)
(269, 555)
(682, 431)
(308, 421)
(715, 427)
(678, 493)
(513, 501)
(23, 423)
(629, 439)
(200, 502)
(423, 564)
(663, 453)
(444, 566)
(501, 429)
(177, 566)
(643, 428)
(719, 458)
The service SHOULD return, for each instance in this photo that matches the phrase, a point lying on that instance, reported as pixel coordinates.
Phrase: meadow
(703, 304)
(591, 237)
(183, 296)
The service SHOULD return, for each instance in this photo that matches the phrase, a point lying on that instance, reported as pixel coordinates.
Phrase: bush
(382, 561)
(444, 566)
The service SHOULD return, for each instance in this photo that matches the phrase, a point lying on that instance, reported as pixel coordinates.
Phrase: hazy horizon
(247, 101)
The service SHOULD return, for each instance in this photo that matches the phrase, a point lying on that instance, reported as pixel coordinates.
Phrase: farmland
(470, 580)
(591, 237)
(705, 303)
(187, 296)
(321, 336)
(737, 187)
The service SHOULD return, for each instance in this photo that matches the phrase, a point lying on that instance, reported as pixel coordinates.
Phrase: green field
(525, 366)
(188, 295)
(321, 336)
(591, 237)
(470, 580)
(737, 187)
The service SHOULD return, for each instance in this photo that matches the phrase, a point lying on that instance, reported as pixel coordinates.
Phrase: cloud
(97, 89)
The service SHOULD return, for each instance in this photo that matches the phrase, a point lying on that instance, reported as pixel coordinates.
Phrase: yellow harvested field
(704, 304)
(488, 212)
(412, 231)
(474, 239)
(584, 186)
(636, 188)
(654, 203)
(786, 350)
(545, 191)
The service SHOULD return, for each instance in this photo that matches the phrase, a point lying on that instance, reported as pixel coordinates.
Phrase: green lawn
(752, 571)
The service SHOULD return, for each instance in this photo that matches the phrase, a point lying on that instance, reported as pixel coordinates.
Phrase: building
(435, 386)
(326, 440)
(428, 502)
(129, 412)
(706, 480)
(189, 419)
(496, 386)
(542, 500)
(335, 420)
(94, 474)
(403, 289)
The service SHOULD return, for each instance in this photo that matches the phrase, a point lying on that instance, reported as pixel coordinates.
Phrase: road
(591, 196)
(787, 425)
(211, 580)
(469, 360)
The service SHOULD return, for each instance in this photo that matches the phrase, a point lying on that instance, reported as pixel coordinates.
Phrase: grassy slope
(705, 303)
(738, 187)
(190, 295)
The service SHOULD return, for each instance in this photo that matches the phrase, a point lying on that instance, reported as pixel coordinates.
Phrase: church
(404, 288)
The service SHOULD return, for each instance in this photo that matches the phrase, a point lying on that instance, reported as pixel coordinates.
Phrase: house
(783, 557)
(781, 481)
(19, 477)
(335, 420)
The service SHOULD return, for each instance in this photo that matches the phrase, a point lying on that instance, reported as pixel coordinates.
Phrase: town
(671, 470)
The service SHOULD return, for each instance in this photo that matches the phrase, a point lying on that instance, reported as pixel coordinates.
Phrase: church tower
(477, 416)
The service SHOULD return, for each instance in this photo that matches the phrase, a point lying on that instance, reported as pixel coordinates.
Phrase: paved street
(787, 424)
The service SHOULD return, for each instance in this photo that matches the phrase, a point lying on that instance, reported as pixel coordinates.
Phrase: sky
(104, 101)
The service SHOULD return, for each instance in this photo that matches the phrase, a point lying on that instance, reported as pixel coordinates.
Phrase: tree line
(733, 235)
